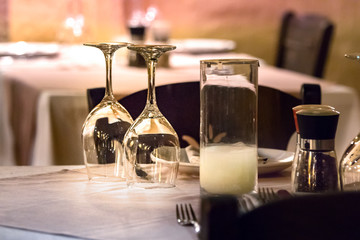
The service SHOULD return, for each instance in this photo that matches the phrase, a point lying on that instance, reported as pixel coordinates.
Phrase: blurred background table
(44, 104)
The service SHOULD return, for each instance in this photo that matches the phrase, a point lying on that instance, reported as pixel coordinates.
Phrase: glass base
(203, 192)
(147, 185)
(104, 173)
(103, 179)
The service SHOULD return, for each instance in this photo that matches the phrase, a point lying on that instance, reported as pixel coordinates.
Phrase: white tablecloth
(57, 88)
(55, 202)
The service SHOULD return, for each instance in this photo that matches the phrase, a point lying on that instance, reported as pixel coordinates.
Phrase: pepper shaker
(317, 168)
(318, 107)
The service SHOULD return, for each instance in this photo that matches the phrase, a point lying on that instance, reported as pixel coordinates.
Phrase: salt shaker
(317, 169)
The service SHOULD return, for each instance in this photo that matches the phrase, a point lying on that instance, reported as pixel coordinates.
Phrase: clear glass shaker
(317, 169)
(297, 147)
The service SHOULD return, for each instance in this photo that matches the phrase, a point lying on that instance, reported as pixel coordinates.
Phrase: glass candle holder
(228, 126)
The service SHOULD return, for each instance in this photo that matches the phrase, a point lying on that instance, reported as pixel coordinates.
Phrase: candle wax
(228, 169)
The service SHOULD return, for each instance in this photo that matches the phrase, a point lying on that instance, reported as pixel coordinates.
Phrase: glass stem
(151, 96)
(108, 89)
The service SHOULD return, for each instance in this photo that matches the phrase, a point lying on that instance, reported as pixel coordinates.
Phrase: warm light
(76, 24)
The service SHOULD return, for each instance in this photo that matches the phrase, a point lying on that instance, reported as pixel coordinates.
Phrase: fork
(246, 204)
(267, 195)
(187, 217)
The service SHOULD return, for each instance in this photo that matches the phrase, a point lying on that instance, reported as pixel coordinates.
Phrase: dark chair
(180, 104)
(275, 118)
(321, 216)
(94, 96)
(304, 43)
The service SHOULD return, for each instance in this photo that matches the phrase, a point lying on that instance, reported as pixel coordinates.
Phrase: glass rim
(151, 46)
(231, 61)
(353, 56)
(91, 44)
(312, 106)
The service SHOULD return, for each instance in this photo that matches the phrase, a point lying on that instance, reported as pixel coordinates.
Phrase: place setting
(227, 160)
(224, 177)
(149, 120)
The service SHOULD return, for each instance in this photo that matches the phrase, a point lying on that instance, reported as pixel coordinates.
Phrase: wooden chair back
(304, 43)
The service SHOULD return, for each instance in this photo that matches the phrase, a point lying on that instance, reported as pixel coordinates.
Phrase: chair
(94, 96)
(313, 216)
(304, 43)
(180, 104)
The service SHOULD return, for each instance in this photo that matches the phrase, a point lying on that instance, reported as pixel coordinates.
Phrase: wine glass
(105, 127)
(350, 160)
(151, 145)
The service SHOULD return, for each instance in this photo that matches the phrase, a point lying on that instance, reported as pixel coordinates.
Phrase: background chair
(304, 43)
(180, 104)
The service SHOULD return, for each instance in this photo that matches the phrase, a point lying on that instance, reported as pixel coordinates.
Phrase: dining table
(43, 102)
(59, 202)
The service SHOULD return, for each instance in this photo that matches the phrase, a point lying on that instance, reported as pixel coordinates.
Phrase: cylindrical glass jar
(228, 126)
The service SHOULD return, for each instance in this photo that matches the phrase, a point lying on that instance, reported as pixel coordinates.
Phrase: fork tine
(267, 195)
(182, 212)
(192, 212)
(243, 205)
(177, 213)
(249, 202)
(261, 195)
(272, 193)
(187, 212)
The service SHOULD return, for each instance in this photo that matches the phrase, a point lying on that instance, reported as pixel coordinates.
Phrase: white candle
(228, 169)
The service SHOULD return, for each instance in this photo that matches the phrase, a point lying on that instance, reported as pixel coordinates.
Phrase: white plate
(277, 161)
(28, 49)
(185, 166)
(201, 46)
(189, 168)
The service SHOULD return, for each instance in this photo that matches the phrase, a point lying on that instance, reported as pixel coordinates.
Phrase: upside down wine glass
(151, 145)
(350, 160)
(105, 127)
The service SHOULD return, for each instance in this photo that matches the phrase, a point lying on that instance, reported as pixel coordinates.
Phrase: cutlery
(246, 204)
(267, 195)
(185, 216)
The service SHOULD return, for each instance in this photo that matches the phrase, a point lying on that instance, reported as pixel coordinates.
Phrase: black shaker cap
(312, 107)
(317, 124)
